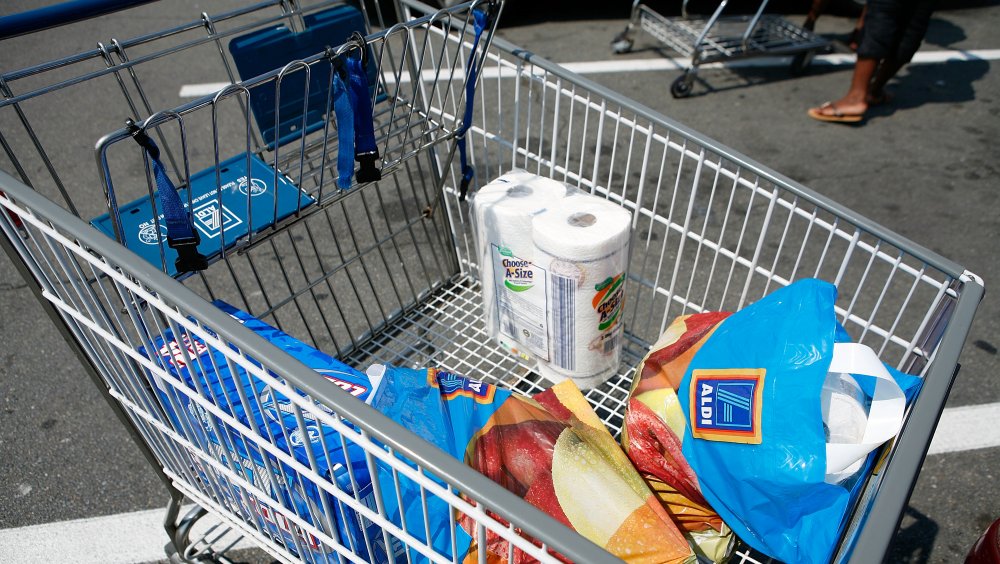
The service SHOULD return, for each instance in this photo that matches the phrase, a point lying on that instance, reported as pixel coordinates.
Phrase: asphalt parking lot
(924, 166)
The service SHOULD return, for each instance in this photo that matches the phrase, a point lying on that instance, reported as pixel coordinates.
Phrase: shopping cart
(719, 38)
(385, 270)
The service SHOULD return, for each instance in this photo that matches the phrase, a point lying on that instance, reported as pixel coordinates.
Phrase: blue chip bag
(446, 410)
(551, 450)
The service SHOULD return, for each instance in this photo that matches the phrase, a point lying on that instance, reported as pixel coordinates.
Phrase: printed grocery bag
(196, 368)
(550, 449)
(754, 432)
(654, 428)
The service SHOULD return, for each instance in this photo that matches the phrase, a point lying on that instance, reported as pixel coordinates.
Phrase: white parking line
(832, 59)
(125, 538)
(676, 63)
(967, 428)
(139, 536)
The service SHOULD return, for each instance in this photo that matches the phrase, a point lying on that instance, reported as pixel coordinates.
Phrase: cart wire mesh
(386, 272)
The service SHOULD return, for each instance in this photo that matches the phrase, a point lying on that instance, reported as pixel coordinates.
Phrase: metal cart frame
(720, 38)
(386, 272)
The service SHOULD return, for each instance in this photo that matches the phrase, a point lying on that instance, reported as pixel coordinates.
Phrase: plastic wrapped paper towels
(553, 263)
(514, 304)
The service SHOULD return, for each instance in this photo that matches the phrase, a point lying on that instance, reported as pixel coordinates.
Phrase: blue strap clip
(181, 234)
(352, 105)
(365, 147)
(481, 21)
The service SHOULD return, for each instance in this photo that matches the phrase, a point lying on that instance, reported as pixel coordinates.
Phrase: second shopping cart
(720, 37)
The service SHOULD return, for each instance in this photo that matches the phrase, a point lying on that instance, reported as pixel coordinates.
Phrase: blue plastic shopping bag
(755, 435)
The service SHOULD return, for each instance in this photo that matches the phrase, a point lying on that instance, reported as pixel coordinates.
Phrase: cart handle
(61, 14)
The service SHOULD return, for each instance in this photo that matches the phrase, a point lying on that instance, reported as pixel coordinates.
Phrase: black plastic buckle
(188, 257)
(492, 9)
(467, 177)
(368, 171)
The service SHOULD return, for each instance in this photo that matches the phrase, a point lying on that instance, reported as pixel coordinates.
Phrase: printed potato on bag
(550, 449)
(654, 431)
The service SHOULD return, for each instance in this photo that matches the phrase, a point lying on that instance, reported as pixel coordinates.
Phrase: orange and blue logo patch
(454, 385)
(726, 405)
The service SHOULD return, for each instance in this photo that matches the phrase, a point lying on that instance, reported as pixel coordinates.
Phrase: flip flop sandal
(837, 116)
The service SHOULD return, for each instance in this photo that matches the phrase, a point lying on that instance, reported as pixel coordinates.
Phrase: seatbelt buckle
(467, 175)
(188, 257)
(368, 172)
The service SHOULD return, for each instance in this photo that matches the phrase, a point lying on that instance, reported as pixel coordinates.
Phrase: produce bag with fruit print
(654, 430)
(550, 449)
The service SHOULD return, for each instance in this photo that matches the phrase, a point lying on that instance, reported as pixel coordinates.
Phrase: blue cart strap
(365, 148)
(181, 234)
(344, 108)
(482, 20)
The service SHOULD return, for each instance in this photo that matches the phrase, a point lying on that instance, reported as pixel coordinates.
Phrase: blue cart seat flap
(265, 50)
(249, 204)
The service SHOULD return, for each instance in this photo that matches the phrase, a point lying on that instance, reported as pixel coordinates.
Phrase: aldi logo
(726, 405)
(209, 219)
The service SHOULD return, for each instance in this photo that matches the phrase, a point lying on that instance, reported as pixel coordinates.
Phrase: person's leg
(815, 11)
(916, 19)
(878, 38)
(888, 69)
(854, 40)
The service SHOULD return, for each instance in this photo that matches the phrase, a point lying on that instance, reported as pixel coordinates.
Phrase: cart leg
(801, 61)
(622, 43)
(179, 530)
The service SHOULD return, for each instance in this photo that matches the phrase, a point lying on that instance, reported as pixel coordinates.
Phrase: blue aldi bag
(755, 396)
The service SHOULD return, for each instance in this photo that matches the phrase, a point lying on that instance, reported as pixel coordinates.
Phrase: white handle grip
(885, 418)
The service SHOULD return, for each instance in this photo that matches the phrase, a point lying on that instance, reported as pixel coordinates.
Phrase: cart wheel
(622, 43)
(801, 62)
(681, 88)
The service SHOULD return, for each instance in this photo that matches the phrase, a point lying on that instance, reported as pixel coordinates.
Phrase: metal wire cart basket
(380, 266)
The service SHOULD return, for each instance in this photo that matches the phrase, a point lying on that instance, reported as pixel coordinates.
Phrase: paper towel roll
(844, 417)
(843, 403)
(583, 247)
(512, 286)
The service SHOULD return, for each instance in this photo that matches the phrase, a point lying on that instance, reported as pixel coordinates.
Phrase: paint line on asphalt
(970, 427)
(125, 538)
(203, 89)
(832, 59)
(621, 65)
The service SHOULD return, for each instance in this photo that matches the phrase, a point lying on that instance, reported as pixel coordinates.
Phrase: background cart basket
(720, 37)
